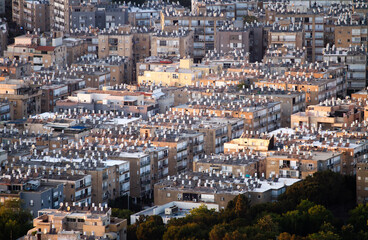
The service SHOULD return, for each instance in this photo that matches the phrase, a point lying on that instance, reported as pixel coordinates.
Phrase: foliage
(121, 213)
(152, 228)
(14, 221)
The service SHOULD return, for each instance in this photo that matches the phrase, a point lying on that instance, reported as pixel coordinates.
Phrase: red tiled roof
(45, 48)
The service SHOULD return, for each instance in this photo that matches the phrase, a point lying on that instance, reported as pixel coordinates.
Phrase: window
(31, 203)
(162, 42)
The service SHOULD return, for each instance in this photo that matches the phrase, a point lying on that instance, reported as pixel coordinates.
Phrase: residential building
(120, 102)
(176, 44)
(42, 51)
(258, 115)
(362, 182)
(328, 115)
(355, 61)
(301, 164)
(25, 98)
(75, 221)
(34, 194)
(210, 188)
(224, 164)
(32, 15)
(205, 27)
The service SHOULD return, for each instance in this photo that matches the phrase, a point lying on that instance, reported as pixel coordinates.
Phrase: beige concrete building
(291, 36)
(213, 188)
(299, 164)
(177, 74)
(25, 98)
(74, 221)
(176, 44)
(258, 115)
(75, 48)
(224, 164)
(253, 142)
(311, 20)
(205, 27)
(42, 51)
(328, 115)
(115, 43)
(120, 68)
(351, 32)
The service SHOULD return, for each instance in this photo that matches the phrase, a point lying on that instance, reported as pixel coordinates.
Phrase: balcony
(82, 196)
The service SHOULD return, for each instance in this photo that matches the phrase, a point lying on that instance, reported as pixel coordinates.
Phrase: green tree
(14, 221)
(218, 232)
(288, 236)
(153, 228)
(324, 236)
(241, 205)
(187, 231)
(235, 236)
(121, 213)
(359, 217)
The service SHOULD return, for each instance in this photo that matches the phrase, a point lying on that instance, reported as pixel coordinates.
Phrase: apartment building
(291, 101)
(250, 142)
(355, 61)
(289, 36)
(51, 94)
(25, 98)
(230, 38)
(225, 164)
(120, 68)
(232, 10)
(14, 69)
(114, 42)
(299, 164)
(34, 194)
(362, 182)
(213, 188)
(328, 115)
(102, 16)
(280, 56)
(350, 31)
(311, 20)
(32, 15)
(109, 179)
(75, 48)
(175, 44)
(348, 141)
(316, 89)
(258, 115)
(75, 221)
(177, 74)
(122, 103)
(77, 188)
(205, 27)
(42, 51)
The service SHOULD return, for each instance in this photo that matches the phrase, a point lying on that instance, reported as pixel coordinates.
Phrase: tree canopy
(14, 221)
